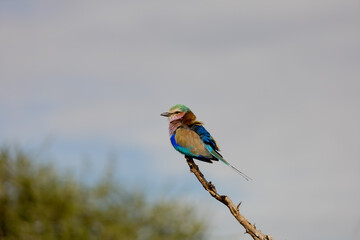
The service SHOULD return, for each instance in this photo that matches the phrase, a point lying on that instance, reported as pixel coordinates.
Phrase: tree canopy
(37, 202)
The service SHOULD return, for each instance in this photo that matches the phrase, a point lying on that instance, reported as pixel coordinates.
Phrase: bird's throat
(173, 125)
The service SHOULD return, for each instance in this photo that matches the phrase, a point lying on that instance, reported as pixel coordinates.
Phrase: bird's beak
(165, 114)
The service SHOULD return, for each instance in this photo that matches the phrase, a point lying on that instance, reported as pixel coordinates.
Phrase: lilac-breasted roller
(190, 138)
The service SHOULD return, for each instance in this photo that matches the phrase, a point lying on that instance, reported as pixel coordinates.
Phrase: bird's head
(178, 112)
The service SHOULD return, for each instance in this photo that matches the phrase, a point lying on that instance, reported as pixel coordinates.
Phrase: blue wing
(205, 136)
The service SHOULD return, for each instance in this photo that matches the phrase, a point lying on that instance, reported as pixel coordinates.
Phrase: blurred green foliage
(36, 202)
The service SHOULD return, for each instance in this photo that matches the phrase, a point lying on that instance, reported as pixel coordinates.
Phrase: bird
(189, 137)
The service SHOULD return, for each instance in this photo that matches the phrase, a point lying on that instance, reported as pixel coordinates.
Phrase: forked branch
(249, 228)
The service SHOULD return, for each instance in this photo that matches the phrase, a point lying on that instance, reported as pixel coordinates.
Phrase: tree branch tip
(237, 207)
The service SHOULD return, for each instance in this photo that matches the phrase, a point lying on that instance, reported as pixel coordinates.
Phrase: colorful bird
(190, 138)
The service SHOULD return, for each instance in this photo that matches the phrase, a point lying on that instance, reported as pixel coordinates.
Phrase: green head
(179, 107)
(176, 112)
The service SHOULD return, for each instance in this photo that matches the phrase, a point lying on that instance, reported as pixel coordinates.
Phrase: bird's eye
(177, 112)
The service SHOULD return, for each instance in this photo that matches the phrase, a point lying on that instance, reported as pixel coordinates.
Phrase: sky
(276, 83)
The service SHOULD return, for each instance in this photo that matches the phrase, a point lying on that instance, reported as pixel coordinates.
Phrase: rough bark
(249, 228)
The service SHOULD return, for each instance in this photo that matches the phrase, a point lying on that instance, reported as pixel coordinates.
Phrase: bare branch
(250, 229)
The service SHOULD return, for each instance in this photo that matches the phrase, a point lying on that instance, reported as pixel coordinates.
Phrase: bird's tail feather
(241, 173)
(218, 156)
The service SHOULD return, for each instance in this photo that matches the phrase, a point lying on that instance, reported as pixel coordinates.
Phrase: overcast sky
(276, 83)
